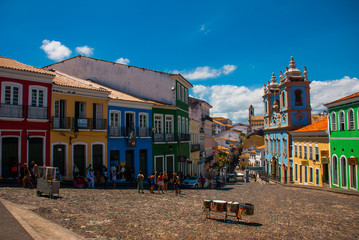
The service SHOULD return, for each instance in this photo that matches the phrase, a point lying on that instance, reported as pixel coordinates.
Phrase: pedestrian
(218, 181)
(90, 178)
(105, 174)
(123, 171)
(76, 171)
(153, 181)
(176, 182)
(35, 172)
(165, 181)
(160, 183)
(113, 175)
(202, 180)
(140, 179)
(27, 177)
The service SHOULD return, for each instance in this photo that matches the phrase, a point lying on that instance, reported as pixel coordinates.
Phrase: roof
(344, 98)
(321, 125)
(114, 63)
(261, 147)
(9, 63)
(257, 118)
(318, 117)
(65, 80)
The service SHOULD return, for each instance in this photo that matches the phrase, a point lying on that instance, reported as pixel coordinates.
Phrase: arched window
(341, 121)
(283, 99)
(343, 171)
(351, 119)
(335, 170)
(298, 97)
(333, 121)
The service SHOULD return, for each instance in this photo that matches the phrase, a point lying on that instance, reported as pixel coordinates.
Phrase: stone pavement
(17, 222)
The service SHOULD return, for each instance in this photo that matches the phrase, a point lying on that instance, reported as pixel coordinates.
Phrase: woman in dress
(27, 176)
(140, 179)
(160, 182)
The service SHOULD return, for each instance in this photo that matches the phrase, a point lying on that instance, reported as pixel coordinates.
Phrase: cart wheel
(38, 193)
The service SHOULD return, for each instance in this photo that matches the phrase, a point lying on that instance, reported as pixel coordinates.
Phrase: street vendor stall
(47, 183)
(234, 209)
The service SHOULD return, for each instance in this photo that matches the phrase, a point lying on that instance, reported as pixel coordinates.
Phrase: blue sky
(226, 49)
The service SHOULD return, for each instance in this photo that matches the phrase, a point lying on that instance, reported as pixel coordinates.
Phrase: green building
(343, 117)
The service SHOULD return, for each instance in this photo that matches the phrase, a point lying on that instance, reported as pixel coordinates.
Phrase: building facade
(254, 122)
(286, 108)
(343, 115)
(25, 93)
(310, 154)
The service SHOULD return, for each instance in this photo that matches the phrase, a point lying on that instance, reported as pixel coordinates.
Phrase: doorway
(143, 162)
(97, 158)
(325, 176)
(36, 151)
(80, 158)
(9, 156)
(59, 156)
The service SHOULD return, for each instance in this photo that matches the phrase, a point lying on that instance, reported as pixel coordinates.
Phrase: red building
(25, 109)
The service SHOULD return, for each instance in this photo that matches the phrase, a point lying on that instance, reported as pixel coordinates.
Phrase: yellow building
(196, 166)
(78, 125)
(310, 154)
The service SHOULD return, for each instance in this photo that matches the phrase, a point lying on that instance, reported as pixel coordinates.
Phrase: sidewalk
(17, 222)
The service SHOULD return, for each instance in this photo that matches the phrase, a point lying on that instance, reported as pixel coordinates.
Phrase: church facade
(286, 108)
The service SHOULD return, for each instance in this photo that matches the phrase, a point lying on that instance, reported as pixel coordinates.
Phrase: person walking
(90, 178)
(176, 183)
(105, 175)
(165, 181)
(153, 182)
(160, 183)
(140, 179)
(113, 175)
(35, 172)
(27, 176)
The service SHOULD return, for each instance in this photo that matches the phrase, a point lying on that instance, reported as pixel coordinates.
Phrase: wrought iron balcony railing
(11, 111)
(61, 123)
(37, 112)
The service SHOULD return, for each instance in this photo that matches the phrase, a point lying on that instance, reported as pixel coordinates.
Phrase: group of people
(161, 180)
(28, 176)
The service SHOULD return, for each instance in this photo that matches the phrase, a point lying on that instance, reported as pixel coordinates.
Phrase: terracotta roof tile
(62, 79)
(257, 118)
(13, 64)
(321, 125)
(345, 98)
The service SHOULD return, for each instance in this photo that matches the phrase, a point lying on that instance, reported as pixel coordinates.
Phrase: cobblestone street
(279, 213)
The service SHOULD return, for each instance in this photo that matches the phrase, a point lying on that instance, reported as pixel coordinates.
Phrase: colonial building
(78, 125)
(24, 116)
(196, 166)
(343, 117)
(310, 154)
(254, 122)
(170, 120)
(286, 108)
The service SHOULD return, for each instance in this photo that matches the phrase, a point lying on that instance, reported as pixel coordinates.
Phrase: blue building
(286, 108)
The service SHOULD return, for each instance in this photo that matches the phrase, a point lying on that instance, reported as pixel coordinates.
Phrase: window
(351, 119)
(341, 121)
(37, 98)
(310, 151)
(169, 124)
(353, 176)
(12, 95)
(296, 172)
(178, 91)
(300, 150)
(316, 152)
(183, 125)
(317, 176)
(283, 99)
(310, 174)
(295, 150)
(185, 95)
(179, 124)
(158, 124)
(333, 122)
(80, 110)
(278, 146)
(298, 95)
(335, 170)
(266, 107)
(300, 173)
(343, 168)
(305, 151)
(306, 174)
(284, 146)
(143, 127)
(187, 127)
(60, 114)
(182, 93)
(115, 123)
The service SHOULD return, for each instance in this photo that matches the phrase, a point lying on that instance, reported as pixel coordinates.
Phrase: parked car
(240, 176)
(194, 182)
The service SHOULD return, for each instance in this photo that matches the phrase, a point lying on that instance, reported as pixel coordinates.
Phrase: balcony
(61, 123)
(171, 137)
(195, 147)
(115, 131)
(11, 111)
(37, 112)
(184, 137)
(143, 132)
(90, 123)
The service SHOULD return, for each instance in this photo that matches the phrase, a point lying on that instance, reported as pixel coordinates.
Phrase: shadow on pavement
(251, 224)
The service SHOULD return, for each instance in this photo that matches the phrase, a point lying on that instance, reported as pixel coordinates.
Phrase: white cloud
(233, 101)
(207, 72)
(125, 61)
(55, 50)
(85, 50)
(204, 29)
